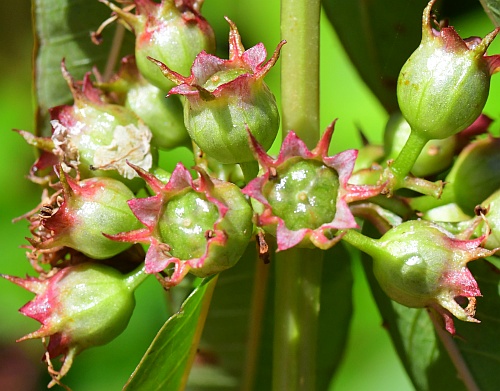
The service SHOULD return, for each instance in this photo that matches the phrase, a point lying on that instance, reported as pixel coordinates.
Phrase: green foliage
(63, 30)
(237, 343)
(165, 363)
(492, 9)
(378, 36)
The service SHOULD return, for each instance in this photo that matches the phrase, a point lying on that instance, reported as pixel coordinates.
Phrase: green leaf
(62, 30)
(412, 332)
(225, 348)
(492, 9)
(378, 36)
(166, 360)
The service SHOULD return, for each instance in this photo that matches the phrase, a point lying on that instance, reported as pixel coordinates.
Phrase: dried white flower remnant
(130, 143)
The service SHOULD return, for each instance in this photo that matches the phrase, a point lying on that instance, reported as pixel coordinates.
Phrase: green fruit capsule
(224, 98)
(420, 264)
(444, 84)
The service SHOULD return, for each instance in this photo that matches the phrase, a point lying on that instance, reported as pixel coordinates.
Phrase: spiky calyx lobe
(174, 32)
(79, 307)
(304, 194)
(88, 209)
(444, 85)
(419, 264)
(225, 97)
(200, 226)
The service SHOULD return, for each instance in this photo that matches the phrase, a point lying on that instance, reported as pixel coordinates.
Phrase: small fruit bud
(79, 307)
(304, 194)
(104, 135)
(95, 137)
(444, 85)
(474, 175)
(173, 32)
(225, 97)
(86, 210)
(164, 116)
(200, 226)
(420, 264)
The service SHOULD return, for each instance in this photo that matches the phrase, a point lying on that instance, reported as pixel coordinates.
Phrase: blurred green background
(370, 361)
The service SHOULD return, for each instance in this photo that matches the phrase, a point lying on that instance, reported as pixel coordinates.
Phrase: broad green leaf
(492, 9)
(378, 36)
(62, 30)
(225, 347)
(164, 364)
(426, 361)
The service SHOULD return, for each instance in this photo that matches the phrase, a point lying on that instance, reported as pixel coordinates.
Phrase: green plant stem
(360, 241)
(300, 69)
(298, 271)
(135, 278)
(425, 203)
(298, 278)
(408, 155)
(397, 174)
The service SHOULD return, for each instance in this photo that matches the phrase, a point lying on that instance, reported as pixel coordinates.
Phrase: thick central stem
(300, 69)
(298, 271)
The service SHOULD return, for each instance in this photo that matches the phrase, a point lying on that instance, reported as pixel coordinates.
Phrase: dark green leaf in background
(492, 9)
(62, 30)
(378, 36)
(224, 347)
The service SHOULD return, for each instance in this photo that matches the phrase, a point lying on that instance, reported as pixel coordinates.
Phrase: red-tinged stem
(456, 357)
